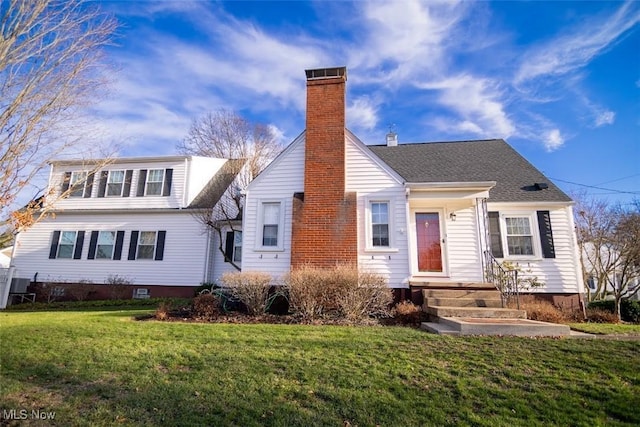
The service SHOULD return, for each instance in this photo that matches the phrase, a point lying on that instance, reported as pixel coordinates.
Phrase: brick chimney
(324, 229)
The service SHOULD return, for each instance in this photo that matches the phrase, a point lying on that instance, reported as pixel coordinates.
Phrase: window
(155, 180)
(270, 224)
(519, 235)
(106, 243)
(115, 183)
(77, 183)
(147, 245)
(67, 244)
(380, 224)
(237, 246)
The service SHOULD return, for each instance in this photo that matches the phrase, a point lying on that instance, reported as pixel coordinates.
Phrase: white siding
(372, 182)
(463, 249)
(559, 274)
(220, 267)
(184, 254)
(283, 177)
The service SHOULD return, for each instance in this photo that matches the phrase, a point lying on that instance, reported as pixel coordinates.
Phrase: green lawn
(102, 368)
(607, 328)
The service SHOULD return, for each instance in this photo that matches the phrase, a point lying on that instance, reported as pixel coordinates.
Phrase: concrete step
(461, 293)
(430, 283)
(464, 302)
(479, 312)
(505, 327)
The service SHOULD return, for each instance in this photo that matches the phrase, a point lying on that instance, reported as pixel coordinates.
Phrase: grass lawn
(102, 368)
(607, 328)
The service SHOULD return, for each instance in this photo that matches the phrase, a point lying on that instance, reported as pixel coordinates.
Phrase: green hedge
(629, 309)
(110, 303)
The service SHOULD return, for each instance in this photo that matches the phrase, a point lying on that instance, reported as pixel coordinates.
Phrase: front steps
(476, 310)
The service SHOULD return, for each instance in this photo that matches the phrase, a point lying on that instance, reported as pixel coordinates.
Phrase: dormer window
(115, 183)
(77, 183)
(155, 180)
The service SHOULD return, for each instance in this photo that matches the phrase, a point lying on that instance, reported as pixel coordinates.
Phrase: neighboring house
(608, 262)
(134, 219)
(420, 214)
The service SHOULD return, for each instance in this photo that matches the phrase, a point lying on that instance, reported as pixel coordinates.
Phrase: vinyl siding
(560, 274)
(283, 177)
(185, 250)
(463, 249)
(373, 183)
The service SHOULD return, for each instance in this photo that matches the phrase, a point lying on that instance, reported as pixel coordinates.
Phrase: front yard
(103, 368)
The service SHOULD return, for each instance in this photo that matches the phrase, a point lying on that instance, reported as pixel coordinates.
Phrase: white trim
(260, 228)
(461, 185)
(146, 182)
(535, 235)
(106, 186)
(155, 245)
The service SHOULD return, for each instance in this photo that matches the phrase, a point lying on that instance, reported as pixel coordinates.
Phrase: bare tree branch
(51, 66)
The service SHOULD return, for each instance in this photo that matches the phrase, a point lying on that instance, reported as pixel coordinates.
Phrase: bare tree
(51, 66)
(225, 134)
(609, 241)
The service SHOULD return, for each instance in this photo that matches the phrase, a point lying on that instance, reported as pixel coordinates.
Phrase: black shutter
(127, 183)
(66, 180)
(103, 183)
(494, 235)
(93, 244)
(546, 235)
(133, 245)
(117, 253)
(160, 245)
(77, 253)
(228, 247)
(53, 251)
(88, 186)
(142, 181)
(168, 176)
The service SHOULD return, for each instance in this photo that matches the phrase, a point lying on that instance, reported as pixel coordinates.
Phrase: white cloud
(478, 102)
(576, 49)
(362, 114)
(553, 140)
(605, 118)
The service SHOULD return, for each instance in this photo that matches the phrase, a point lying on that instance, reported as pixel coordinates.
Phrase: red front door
(428, 237)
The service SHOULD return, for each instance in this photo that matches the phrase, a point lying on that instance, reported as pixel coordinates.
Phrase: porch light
(452, 215)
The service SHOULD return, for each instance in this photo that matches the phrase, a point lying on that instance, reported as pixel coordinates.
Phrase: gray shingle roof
(465, 161)
(215, 188)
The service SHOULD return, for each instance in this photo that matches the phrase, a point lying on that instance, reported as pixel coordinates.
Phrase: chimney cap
(326, 73)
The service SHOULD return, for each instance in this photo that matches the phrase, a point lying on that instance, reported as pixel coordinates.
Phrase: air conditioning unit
(19, 285)
(141, 293)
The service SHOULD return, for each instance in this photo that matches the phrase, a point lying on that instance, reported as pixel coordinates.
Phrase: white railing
(6, 274)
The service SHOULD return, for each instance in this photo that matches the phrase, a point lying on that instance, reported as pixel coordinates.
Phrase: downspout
(185, 185)
(207, 258)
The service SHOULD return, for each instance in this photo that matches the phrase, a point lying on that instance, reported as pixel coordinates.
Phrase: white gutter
(444, 186)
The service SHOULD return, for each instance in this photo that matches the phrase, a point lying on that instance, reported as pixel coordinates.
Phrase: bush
(599, 315)
(206, 306)
(80, 291)
(629, 309)
(250, 288)
(205, 287)
(119, 286)
(543, 311)
(163, 310)
(343, 291)
(408, 313)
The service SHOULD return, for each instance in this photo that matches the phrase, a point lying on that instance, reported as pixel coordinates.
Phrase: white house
(133, 219)
(421, 214)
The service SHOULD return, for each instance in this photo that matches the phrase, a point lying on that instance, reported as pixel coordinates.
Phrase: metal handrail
(506, 281)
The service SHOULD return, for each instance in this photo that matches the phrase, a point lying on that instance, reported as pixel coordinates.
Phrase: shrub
(119, 286)
(206, 306)
(342, 290)
(163, 310)
(80, 291)
(408, 313)
(250, 288)
(599, 315)
(543, 311)
(205, 288)
(629, 309)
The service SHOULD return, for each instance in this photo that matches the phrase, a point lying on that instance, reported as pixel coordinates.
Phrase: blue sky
(560, 81)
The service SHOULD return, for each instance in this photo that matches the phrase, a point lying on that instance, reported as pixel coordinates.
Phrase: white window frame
(535, 235)
(113, 245)
(237, 244)
(155, 245)
(148, 181)
(279, 247)
(79, 176)
(73, 246)
(124, 177)
(369, 247)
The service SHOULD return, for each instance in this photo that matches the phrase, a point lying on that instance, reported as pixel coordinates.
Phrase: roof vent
(326, 73)
(392, 139)
(541, 186)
